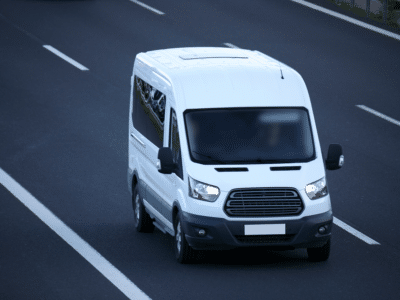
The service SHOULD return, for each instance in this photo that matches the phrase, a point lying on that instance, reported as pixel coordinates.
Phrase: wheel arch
(176, 208)
(134, 181)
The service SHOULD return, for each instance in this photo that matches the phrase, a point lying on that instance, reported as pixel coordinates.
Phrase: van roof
(212, 77)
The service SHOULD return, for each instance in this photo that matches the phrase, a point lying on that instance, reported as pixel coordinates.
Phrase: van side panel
(150, 116)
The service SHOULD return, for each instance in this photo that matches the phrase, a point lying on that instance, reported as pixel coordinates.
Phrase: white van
(224, 153)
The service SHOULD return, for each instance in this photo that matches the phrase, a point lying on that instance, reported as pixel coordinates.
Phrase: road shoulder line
(74, 240)
(348, 19)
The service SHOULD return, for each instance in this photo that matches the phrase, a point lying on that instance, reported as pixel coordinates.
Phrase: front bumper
(226, 234)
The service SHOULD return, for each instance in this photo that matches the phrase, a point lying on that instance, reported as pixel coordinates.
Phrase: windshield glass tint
(249, 135)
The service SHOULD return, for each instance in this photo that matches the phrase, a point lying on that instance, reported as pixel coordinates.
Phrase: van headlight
(317, 189)
(202, 191)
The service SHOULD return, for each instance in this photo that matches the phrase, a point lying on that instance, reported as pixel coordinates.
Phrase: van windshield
(249, 135)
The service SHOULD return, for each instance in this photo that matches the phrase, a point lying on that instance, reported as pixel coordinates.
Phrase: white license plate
(259, 229)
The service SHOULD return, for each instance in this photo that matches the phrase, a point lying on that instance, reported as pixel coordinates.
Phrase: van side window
(175, 144)
(148, 111)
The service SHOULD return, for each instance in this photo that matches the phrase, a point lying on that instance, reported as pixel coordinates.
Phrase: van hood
(258, 175)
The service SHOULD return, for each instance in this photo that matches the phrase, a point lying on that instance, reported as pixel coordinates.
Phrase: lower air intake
(264, 239)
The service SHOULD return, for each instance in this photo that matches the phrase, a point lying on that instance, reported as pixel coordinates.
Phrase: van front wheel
(183, 252)
(143, 222)
(320, 253)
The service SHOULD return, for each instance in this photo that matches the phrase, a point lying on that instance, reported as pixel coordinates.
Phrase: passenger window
(148, 111)
(175, 144)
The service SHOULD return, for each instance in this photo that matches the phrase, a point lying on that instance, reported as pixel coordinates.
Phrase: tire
(183, 252)
(320, 253)
(143, 222)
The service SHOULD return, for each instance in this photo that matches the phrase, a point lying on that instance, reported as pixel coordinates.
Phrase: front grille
(263, 203)
(264, 239)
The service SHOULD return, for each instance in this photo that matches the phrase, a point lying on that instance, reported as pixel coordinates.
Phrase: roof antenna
(281, 71)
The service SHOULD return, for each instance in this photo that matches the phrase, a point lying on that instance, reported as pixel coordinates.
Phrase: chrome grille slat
(263, 193)
(263, 203)
(261, 196)
(239, 203)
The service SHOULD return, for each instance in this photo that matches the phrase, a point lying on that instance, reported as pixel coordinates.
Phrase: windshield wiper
(210, 157)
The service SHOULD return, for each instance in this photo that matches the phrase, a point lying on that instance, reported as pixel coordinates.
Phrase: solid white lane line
(380, 115)
(231, 45)
(354, 232)
(348, 19)
(75, 241)
(66, 58)
(148, 7)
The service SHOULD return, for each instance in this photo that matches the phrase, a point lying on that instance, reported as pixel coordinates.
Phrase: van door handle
(136, 138)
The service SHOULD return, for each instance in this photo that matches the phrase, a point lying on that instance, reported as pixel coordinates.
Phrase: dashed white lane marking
(66, 58)
(75, 241)
(354, 232)
(380, 115)
(231, 45)
(348, 19)
(148, 7)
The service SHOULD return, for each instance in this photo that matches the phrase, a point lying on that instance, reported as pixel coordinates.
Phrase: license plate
(264, 229)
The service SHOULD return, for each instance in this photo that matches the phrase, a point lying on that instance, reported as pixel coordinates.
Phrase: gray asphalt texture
(64, 138)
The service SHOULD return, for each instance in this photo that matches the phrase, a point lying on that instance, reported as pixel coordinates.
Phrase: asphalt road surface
(64, 139)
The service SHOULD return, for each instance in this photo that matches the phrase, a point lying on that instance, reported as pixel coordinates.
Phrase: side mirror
(166, 164)
(335, 159)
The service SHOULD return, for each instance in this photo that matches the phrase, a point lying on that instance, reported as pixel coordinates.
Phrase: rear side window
(148, 111)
